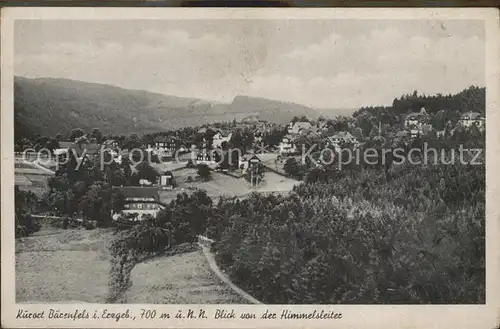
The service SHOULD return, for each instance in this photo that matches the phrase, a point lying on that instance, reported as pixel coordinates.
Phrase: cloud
(336, 69)
(374, 68)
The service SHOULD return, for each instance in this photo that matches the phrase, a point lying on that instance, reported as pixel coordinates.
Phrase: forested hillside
(470, 99)
(48, 106)
(441, 109)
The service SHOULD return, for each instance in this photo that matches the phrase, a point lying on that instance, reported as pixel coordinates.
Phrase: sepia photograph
(248, 160)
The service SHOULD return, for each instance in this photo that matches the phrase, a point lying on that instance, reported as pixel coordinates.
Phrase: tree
(125, 166)
(52, 144)
(209, 137)
(299, 119)
(41, 142)
(274, 137)
(237, 140)
(204, 172)
(97, 134)
(255, 174)
(292, 168)
(134, 179)
(115, 176)
(117, 201)
(132, 142)
(234, 158)
(25, 204)
(145, 171)
(76, 133)
(242, 139)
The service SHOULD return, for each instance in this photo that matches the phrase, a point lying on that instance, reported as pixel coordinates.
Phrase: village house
(183, 148)
(415, 133)
(322, 126)
(220, 137)
(246, 161)
(469, 119)
(80, 147)
(258, 137)
(139, 201)
(420, 130)
(206, 157)
(413, 120)
(110, 144)
(145, 182)
(298, 127)
(341, 138)
(164, 144)
(287, 145)
(165, 180)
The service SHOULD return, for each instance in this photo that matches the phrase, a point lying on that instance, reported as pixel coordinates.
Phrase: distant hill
(48, 106)
(270, 110)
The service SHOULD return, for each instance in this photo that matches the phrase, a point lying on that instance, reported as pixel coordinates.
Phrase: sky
(335, 63)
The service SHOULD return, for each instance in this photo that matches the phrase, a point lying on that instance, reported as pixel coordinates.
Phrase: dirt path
(57, 266)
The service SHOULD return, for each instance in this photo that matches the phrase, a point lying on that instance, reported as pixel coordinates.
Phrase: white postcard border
(354, 316)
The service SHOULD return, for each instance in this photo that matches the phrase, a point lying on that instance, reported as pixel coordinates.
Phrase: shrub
(204, 172)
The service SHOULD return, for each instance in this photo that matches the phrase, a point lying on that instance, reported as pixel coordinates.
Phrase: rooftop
(413, 115)
(472, 115)
(139, 192)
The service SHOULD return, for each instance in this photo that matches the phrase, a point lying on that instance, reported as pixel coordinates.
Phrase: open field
(62, 265)
(180, 279)
(276, 183)
(56, 266)
(225, 185)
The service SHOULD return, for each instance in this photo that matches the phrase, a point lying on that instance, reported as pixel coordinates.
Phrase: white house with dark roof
(468, 119)
(139, 201)
(298, 127)
(207, 157)
(341, 138)
(164, 145)
(246, 160)
(414, 120)
(165, 180)
(288, 145)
